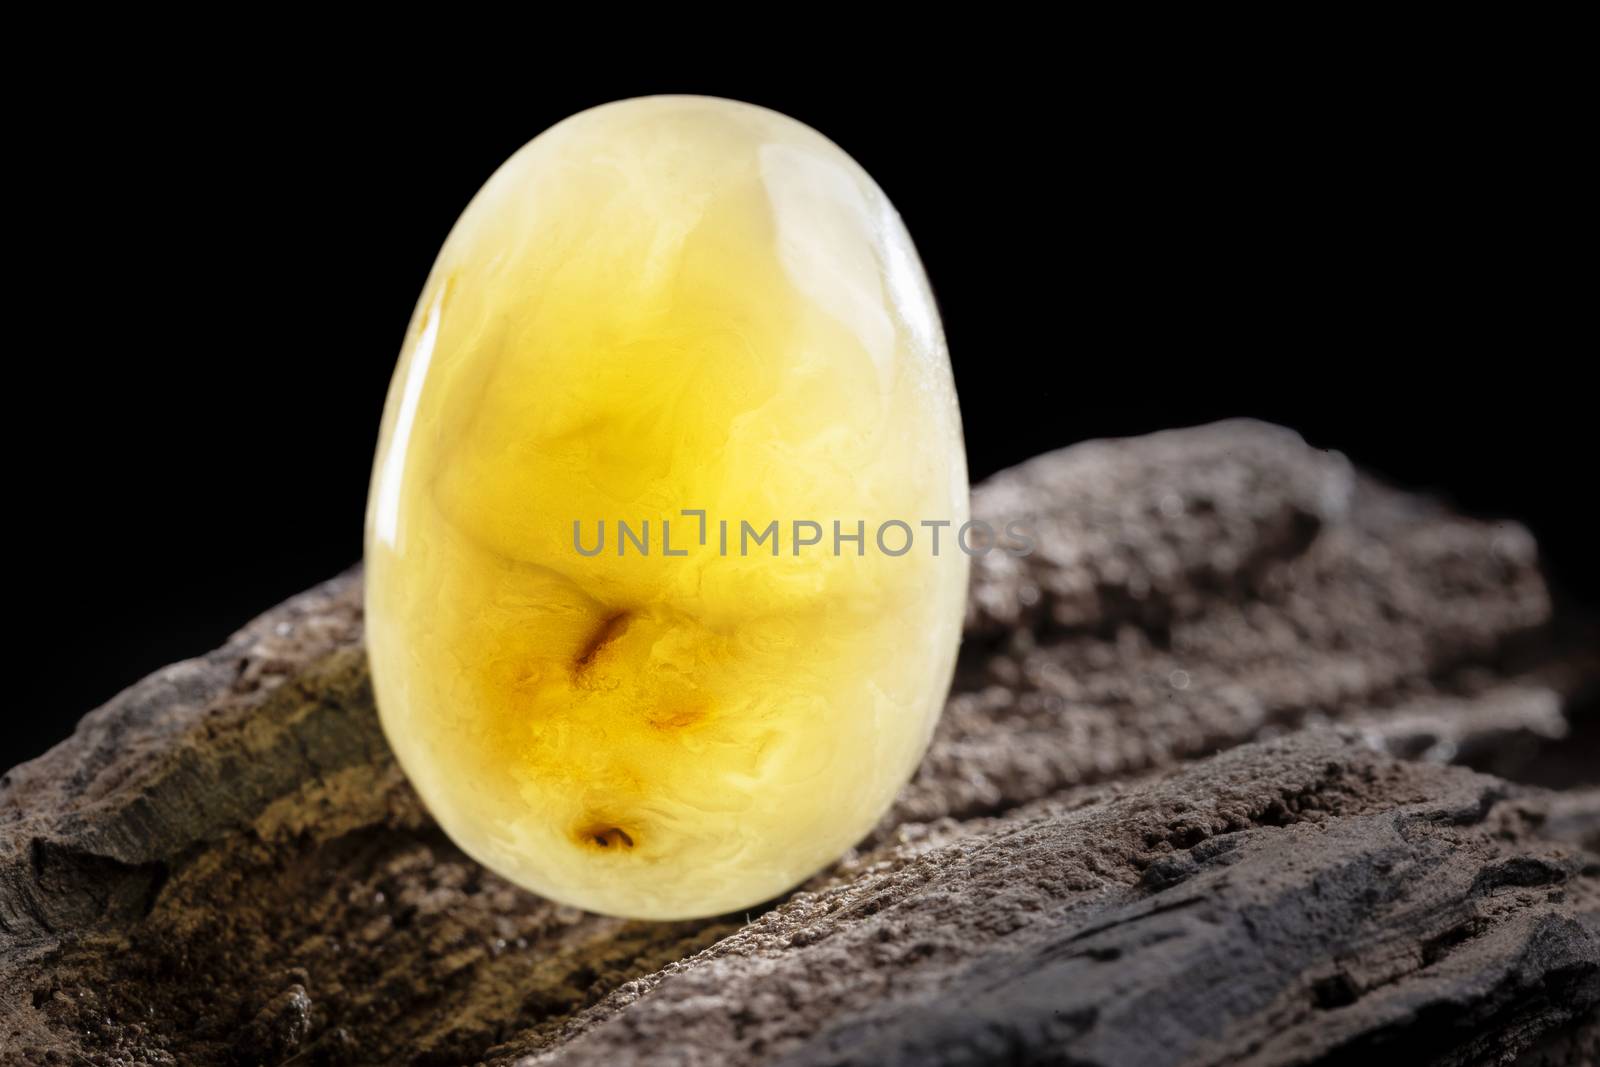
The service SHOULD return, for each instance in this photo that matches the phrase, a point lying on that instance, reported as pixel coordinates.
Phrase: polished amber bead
(669, 323)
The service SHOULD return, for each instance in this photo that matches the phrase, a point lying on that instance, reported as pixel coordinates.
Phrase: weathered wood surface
(223, 865)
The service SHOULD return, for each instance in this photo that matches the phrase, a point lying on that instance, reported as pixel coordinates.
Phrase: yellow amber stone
(665, 325)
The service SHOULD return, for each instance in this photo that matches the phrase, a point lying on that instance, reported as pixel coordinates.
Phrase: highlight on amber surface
(661, 604)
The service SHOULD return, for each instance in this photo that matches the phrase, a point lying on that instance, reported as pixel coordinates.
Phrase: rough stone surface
(223, 864)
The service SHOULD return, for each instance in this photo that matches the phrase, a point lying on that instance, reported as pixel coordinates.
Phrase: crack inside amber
(611, 628)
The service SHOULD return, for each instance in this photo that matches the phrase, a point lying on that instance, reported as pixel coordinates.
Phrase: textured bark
(223, 865)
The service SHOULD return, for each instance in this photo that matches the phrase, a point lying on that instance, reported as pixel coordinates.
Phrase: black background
(223, 263)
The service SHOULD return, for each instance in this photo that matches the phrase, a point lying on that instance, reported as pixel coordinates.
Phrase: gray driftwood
(223, 865)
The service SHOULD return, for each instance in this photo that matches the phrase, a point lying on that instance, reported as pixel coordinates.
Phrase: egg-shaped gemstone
(663, 582)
